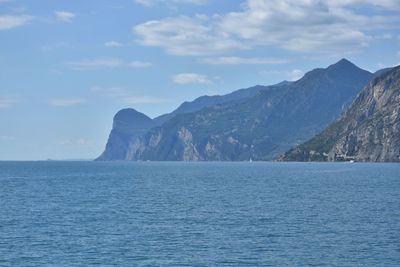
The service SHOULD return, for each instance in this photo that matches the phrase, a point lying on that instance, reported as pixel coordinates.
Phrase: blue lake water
(199, 214)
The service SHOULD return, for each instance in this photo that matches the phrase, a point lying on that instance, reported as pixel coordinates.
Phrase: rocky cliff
(368, 131)
(128, 125)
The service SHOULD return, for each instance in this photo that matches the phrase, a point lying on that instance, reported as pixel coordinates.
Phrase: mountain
(118, 143)
(259, 127)
(368, 131)
(207, 101)
(128, 124)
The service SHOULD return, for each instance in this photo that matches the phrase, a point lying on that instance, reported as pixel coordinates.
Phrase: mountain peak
(343, 63)
(130, 116)
(128, 124)
(345, 68)
(128, 113)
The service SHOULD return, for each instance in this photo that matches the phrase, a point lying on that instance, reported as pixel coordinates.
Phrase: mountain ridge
(258, 127)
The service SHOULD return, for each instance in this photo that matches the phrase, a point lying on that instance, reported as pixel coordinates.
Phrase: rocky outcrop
(128, 126)
(368, 131)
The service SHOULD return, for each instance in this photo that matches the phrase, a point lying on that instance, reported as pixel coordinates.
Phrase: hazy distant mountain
(258, 127)
(368, 131)
(128, 124)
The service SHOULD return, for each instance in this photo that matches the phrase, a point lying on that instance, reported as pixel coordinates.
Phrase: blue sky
(68, 66)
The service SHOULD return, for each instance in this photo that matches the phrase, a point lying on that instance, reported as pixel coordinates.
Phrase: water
(199, 214)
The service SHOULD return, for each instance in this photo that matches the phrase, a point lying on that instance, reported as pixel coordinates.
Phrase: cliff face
(128, 125)
(368, 131)
(258, 127)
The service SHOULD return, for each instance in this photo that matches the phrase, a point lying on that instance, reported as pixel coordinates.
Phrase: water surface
(199, 214)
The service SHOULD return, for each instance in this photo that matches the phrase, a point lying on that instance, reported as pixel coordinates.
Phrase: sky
(68, 66)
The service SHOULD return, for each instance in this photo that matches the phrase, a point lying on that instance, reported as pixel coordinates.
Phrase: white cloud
(187, 78)
(297, 25)
(114, 91)
(65, 16)
(139, 64)
(8, 102)
(292, 75)
(99, 63)
(308, 25)
(7, 137)
(125, 96)
(185, 36)
(241, 61)
(150, 3)
(296, 74)
(54, 46)
(380, 66)
(106, 63)
(76, 142)
(386, 36)
(112, 44)
(143, 100)
(13, 21)
(66, 102)
(389, 4)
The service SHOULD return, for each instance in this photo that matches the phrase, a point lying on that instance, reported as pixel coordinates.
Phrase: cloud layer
(191, 78)
(112, 44)
(127, 97)
(7, 102)
(66, 102)
(13, 21)
(295, 25)
(106, 63)
(241, 61)
(65, 16)
(150, 3)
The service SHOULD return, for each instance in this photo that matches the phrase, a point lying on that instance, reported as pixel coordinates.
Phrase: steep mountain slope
(128, 124)
(259, 127)
(368, 131)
